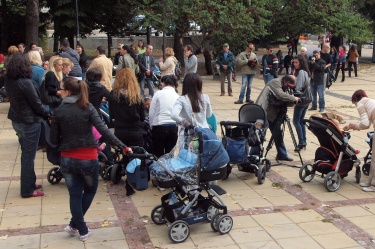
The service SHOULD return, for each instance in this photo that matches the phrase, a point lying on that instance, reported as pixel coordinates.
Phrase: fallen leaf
(105, 223)
(4, 237)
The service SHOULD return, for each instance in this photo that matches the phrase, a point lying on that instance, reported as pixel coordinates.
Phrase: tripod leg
(293, 138)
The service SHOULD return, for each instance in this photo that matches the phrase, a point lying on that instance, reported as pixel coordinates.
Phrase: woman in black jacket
(72, 131)
(52, 80)
(82, 59)
(26, 112)
(97, 91)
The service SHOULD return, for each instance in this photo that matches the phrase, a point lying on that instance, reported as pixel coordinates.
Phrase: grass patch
(129, 221)
(327, 220)
(144, 217)
(277, 184)
(304, 208)
(297, 186)
(144, 241)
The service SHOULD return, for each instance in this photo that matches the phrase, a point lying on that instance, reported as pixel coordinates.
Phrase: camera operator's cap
(225, 45)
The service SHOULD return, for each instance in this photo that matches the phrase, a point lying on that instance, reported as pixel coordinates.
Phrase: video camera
(58, 52)
(253, 63)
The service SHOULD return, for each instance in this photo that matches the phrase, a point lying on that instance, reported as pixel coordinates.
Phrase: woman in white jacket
(169, 65)
(164, 128)
(366, 110)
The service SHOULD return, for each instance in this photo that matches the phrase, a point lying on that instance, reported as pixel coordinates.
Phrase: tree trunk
(71, 40)
(373, 54)
(336, 41)
(55, 44)
(178, 47)
(4, 28)
(207, 61)
(32, 22)
(109, 45)
(148, 35)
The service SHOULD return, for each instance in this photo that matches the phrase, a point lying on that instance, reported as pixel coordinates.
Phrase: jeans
(318, 89)
(150, 87)
(227, 75)
(277, 133)
(350, 64)
(28, 137)
(247, 81)
(298, 116)
(81, 178)
(267, 78)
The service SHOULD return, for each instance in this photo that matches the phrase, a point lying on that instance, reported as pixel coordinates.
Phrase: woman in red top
(72, 131)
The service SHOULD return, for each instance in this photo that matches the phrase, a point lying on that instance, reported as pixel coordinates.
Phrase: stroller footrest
(218, 189)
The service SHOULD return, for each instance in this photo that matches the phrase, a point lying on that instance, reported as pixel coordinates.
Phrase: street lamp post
(78, 34)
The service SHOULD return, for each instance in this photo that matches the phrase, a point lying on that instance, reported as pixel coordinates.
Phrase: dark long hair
(77, 88)
(302, 64)
(192, 87)
(19, 66)
(358, 95)
(131, 52)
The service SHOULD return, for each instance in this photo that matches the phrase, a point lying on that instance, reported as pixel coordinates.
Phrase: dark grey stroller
(239, 136)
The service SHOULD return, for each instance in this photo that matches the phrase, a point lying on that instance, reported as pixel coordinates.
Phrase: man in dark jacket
(270, 64)
(73, 56)
(226, 62)
(146, 66)
(317, 67)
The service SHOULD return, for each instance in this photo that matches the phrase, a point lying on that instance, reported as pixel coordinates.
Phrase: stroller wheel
(116, 173)
(261, 174)
(178, 231)
(54, 175)
(211, 211)
(157, 215)
(358, 176)
(307, 172)
(267, 163)
(214, 221)
(366, 168)
(102, 171)
(332, 181)
(107, 173)
(224, 224)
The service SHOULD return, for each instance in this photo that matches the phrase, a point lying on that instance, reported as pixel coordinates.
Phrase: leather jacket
(25, 104)
(72, 126)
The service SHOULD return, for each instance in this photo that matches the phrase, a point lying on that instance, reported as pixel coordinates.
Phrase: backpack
(177, 70)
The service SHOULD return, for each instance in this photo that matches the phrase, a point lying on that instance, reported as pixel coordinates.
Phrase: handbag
(46, 98)
(306, 96)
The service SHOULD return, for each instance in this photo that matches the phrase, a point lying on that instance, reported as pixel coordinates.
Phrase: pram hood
(329, 135)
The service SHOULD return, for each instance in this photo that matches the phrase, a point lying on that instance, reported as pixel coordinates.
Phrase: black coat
(71, 127)
(317, 70)
(83, 62)
(25, 104)
(96, 93)
(143, 66)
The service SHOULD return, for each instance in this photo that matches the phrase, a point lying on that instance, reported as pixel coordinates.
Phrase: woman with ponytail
(71, 129)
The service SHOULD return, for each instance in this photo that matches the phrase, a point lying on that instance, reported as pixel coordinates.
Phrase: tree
(32, 22)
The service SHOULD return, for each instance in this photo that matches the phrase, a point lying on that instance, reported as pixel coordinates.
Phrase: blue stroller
(192, 198)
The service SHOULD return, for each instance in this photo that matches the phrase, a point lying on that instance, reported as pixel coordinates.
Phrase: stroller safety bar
(233, 123)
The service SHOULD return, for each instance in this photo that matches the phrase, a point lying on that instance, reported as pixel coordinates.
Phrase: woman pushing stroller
(366, 110)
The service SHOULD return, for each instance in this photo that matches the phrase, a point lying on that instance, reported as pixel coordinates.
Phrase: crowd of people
(67, 92)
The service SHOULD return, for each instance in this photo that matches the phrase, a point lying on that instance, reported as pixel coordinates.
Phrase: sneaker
(312, 109)
(321, 110)
(86, 236)
(72, 232)
(238, 102)
(250, 101)
(362, 184)
(284, 159)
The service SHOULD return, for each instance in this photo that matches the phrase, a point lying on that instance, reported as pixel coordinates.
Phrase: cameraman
(281, 91)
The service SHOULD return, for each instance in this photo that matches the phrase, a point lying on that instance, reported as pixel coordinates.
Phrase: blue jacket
(73, 56)
(38, 74)
(229, 61)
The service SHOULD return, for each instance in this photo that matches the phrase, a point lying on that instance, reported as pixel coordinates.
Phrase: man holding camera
(317, 68)
(275, 97)
(247, 62)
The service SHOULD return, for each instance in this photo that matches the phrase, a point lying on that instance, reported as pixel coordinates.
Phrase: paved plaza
(283, 212)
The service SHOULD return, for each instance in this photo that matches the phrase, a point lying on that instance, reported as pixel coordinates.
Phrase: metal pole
(78, 34)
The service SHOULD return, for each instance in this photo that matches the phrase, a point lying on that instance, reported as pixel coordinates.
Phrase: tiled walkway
(295, 215)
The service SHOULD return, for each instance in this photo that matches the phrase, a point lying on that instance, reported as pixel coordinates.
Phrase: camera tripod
(283, 119)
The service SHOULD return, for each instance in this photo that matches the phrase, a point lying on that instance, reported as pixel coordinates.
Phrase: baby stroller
(156, 76)
(239, 136)
(334, 158)
(192, 199)
(367, 158)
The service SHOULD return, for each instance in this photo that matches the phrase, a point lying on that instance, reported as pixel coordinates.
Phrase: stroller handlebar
(233, 123)
(140, 153)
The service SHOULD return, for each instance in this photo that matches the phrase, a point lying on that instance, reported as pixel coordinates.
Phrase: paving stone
(333, 241)
(299, 242)
(23, 241)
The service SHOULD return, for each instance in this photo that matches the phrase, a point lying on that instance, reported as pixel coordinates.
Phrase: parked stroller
(156, 76)
(192, 199)
(238, 137)
(334, 158)
(367, 158)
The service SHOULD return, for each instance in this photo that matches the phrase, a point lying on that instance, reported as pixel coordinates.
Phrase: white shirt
(161, 106)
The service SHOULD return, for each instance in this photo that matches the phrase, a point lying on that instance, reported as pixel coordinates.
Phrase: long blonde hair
(127, 83)
(51, 66)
